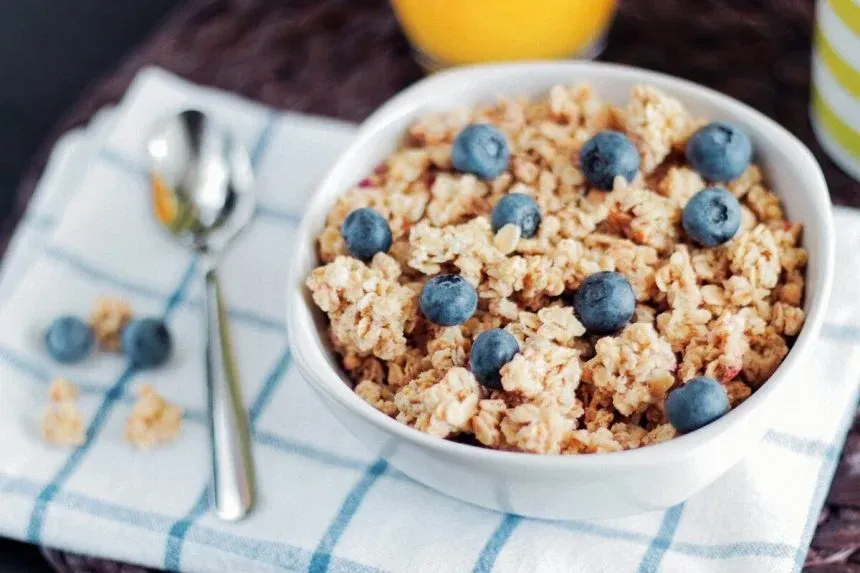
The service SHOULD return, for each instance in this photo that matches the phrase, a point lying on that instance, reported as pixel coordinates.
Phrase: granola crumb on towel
(153, 420)
(62, 423)
(108, 317)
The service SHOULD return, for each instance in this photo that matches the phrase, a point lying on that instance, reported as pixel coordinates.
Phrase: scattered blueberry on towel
(147, 342)
(69, 339)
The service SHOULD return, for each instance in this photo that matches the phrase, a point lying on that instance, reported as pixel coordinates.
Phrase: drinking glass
(447, 33)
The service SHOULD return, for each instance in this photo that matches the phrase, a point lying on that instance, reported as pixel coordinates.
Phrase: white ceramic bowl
(560, 487)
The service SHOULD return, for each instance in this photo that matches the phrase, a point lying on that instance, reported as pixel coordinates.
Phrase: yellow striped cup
(835, 108)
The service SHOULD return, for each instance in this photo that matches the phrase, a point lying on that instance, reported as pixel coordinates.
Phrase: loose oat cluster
(728, 312)
(108, 319)
(61, 421)
(153, 420)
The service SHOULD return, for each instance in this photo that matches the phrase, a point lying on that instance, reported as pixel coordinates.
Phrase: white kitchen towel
(325, 503)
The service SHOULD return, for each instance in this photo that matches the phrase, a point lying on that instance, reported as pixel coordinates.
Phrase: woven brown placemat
(345, 57)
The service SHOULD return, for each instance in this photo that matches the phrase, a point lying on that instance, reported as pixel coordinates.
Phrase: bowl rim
(328, 381)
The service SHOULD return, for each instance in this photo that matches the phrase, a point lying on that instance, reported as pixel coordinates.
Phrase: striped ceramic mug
(835, 109)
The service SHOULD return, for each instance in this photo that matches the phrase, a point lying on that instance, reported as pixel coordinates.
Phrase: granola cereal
(153, 420)
(108, 317)
(729, 312)
(62, 423)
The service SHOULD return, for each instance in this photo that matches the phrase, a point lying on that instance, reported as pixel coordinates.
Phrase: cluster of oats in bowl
(725, 313)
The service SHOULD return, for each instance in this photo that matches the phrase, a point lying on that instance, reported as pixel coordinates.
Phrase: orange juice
(456, 32)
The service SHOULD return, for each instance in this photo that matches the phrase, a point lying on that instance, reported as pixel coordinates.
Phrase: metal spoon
(202, 191)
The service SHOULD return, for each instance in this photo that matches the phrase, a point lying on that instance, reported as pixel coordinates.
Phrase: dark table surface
(345, 57)
(49, 52)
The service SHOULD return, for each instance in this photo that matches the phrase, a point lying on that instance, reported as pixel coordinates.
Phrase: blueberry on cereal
(711, 217)
(519, 209)
(69, 339)
(480, 149)
(606, 156)
(491, 350)
(696, 404)
(719, 151)
(146, 342)
(604, 302)
(448, 300)
(366, 233)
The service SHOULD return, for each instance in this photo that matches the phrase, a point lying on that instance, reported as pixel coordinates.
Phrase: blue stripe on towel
(307, 451)
(734, 550)
(122, 162)
(599, 530)
(244, 316)
(274, 378)
(176, 535)
(43, 222)
(277, 215)
(841, 332)
(265, 137)
(255, 319)
(322, 556)
(36, 372)
(495, 544)
(280, 555)
(662, 541)
(800, 445)
(93, 272)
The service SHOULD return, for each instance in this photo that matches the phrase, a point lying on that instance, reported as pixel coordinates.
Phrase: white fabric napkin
(324, 504)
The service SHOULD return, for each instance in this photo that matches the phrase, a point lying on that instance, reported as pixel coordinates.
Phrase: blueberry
(607, 155)
(447, 300)
(697, 403)
(604, 302)
(146, 342)
(480, 149)
(711, 217)
(719, 151)
(69, 339)
(366, 233)
(519, 209)
(491, 350)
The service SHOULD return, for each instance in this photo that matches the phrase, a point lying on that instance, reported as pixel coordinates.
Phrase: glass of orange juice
(459, 32)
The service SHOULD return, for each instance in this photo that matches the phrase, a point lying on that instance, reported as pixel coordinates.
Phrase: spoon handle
(232, 470)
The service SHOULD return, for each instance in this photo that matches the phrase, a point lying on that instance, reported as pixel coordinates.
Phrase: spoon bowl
(202, 182)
